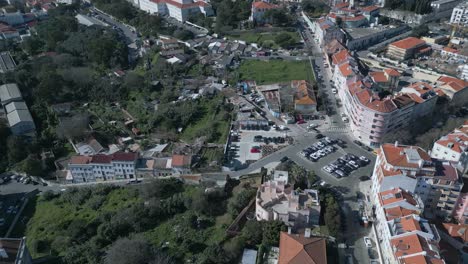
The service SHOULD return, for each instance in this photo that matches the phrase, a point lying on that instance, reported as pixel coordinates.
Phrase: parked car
(364, 178)
(368, 242)
(284, 159)
(255, 150)
(318, 136)
(334, 91)
(357, 142)
(301, 121)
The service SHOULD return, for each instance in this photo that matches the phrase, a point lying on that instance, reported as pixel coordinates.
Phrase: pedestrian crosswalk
(338, 129)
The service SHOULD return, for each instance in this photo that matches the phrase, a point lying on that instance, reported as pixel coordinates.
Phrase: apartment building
(453, 147)
(460, 14)
(460, 214)
(276, 200)
(387, 79)
(424, 95)
(181, 10)
(454, 89)
(326, 31)
(14, 251)
(435, 183)
(407, 48)
(102, 167)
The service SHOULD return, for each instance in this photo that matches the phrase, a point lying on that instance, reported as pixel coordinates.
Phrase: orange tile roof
(408, 43)
(263, 5)
(181, 160)
(369, 8)
(371, 101)
(397, 212)
(457, 231)
(378, 77)
(457, 142)
(342, 5)
(396, 195)
(346, 69)
(395, 155)
(304, 95)
(340, 57)
(420, 259)
(410, 224)
(450, 50)
(297, 249)
(80, 160)
(454, 83)
(392, 72)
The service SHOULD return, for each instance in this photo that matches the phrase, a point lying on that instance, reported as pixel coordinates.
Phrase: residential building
(102, 167)
(258, 11)
(171, 166)
(302, 249)
(181, 164)
(452, 53)
(463, 69)
(20, 119)
(453, 147)
(276, 200)
(364, 37)
(9, 93)
(407, 48)
(455, 89)
(14, 251)
(304, 98)
(457, 234)
(444, 5)
(424, 96)
(181, 10)
(8, 32)
(460, 14)
(7, 63)
(326, 31)
(436, 184)
(415, 249)
(460, 213)
(12, 19)
(385, 80)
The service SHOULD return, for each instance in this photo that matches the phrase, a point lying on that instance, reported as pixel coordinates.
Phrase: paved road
(128, 31)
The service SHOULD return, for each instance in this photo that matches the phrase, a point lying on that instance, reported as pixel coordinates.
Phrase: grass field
(263, 38)
(273, 71)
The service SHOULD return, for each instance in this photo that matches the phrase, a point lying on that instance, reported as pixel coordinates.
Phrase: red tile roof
(304, 95)
(396, 195)
(369, 8)
(392, 72)
(410, 224)
(455, 83)
(395, 155)
(181, 161)
(456, 141)
(342, 5)
(447, 49)
(408, 43)
(263, 5)
(457, 231)
(340, 57)
(103, 158)
(397, 212)
(80, 160)
(346, 69)
(180, 5)
(297, 249)
(378, 77)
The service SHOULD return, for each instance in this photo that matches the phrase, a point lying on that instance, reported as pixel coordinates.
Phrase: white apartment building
(453, 147)
(460, 14)
(101, 167)
(178, 9)
(276, 200)
(463, 69)
(435, 183)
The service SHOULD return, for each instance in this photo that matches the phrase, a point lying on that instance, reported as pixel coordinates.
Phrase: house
(302, 249)
(19, 119)
(9, 92)
(7, 63)
(102, 167)
(14, 251)
(181, 164)
(453, 147)
(259, 8)
(434, 183)
(276, 200)
(385, 80)
(407, 48)
(455, 89)
(304, 97)
(457, 234)
(425, 97)
(89, 147)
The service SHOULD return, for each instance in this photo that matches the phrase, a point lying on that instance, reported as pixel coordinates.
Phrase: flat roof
(357, 33)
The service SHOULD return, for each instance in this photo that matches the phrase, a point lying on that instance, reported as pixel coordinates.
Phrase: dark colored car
(318, 136)
(284, 159)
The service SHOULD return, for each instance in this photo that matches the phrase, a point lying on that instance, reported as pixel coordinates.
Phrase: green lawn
(263, 38)
(273, 71)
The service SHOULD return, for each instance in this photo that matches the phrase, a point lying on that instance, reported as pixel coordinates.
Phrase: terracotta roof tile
(396, 195)
(396, 155)
(397, 212)
(408, 43)
(263, 5)
(457, 231)
(304, 95)
(378, 77)
(181, 161)
(392, 72)
(297, 249)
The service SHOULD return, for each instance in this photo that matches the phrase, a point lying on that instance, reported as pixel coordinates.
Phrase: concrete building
(101, 167)
(407, 48)
(326, 31)
(460, 14)
(276, 200)
(386, 80)
(14, 251)
(9, 93)
(181, 10)
(20, 119)
(444, 5)
(425, 97)
(463, 69)
(258, 11)
(453, 147)
(435, 183)
(460, 213)
(362, 38)
(454, 89)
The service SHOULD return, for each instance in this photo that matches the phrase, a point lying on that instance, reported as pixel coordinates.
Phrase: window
(443, 195)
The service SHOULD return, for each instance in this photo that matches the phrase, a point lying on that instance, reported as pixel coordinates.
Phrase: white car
(334, 91)
(328, 169)
(345, 119)
(368, 242)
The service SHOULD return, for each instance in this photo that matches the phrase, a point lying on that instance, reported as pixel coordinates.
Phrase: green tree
(284, 40)
(271, 232)
(129, 251)
(252, 232)
(240, 201)
(17, 149)
(32, 166)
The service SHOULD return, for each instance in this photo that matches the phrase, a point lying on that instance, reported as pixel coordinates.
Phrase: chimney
(307, 233)
(396, 143)
(289, 230)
